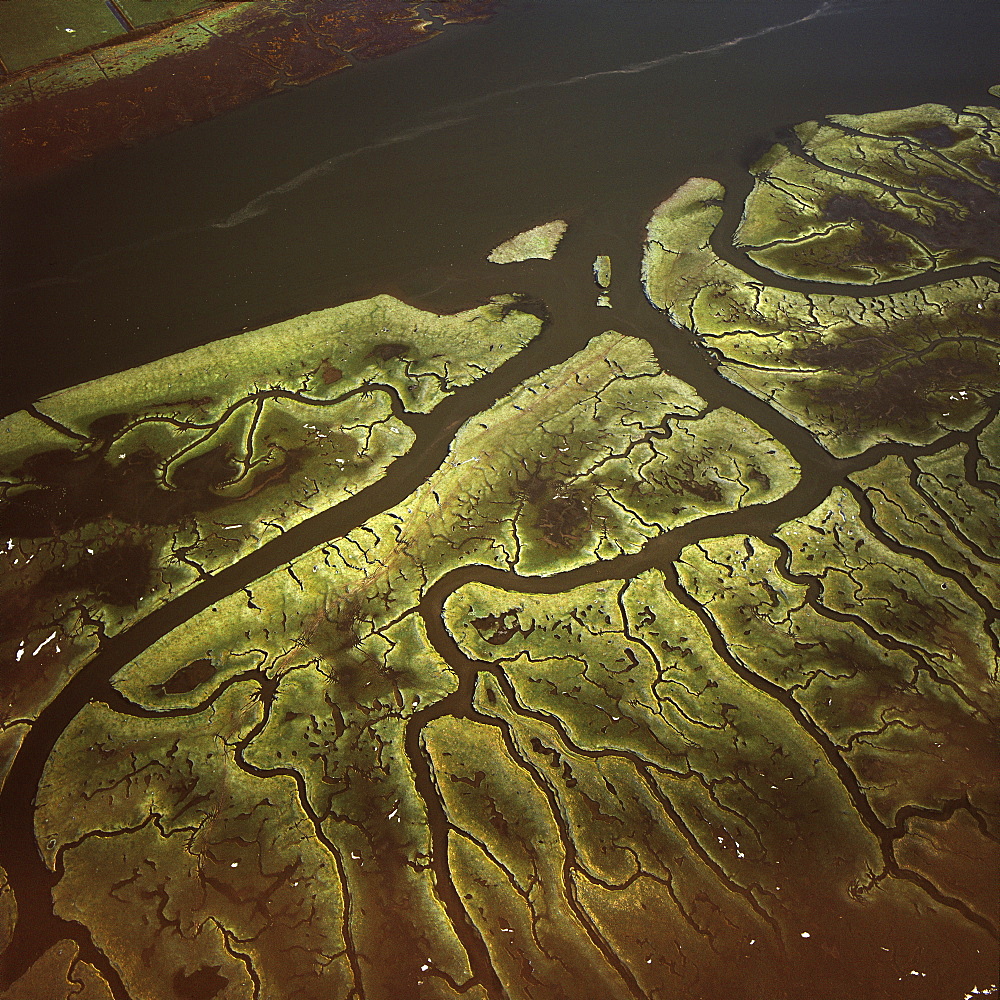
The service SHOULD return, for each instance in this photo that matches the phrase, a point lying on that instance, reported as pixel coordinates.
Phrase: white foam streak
(259, 204)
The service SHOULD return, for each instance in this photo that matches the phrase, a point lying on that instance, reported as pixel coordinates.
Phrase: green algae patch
(877, 197)
(677, 241)
(119, 62)
(565, 656)
(164, 474)
(539, 243)
(987, 465)
(151, 11)
(905, 367)
(65, 77)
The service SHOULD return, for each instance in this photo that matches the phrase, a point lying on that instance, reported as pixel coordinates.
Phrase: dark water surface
(401, 175)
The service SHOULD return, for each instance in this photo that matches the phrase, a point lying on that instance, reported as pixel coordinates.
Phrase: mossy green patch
(602, 275)
(605, 435)
(141, 12)
(65, 76)
(907, 366)
(120, 61)
(539, 243)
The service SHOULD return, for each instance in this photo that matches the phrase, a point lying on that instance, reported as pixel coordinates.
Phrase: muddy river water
(506, 704)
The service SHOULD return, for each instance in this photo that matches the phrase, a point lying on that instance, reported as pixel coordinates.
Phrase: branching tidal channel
(386, 654)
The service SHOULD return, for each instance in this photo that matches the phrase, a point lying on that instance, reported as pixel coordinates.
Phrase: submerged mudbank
(606, 707)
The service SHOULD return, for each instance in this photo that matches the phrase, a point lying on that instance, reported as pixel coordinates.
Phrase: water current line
(258, 205)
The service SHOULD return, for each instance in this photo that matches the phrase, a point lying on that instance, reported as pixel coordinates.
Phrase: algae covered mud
(394, 652)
